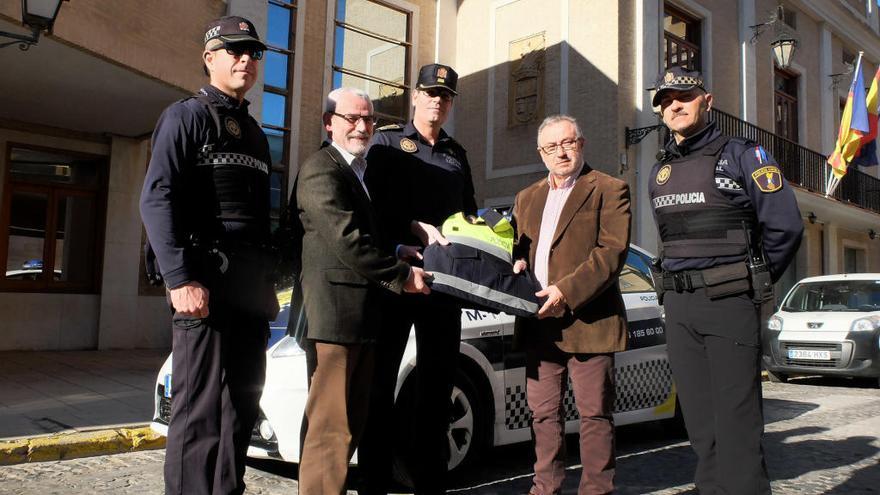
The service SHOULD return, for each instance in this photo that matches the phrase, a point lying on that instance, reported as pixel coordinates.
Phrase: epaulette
(390, 127)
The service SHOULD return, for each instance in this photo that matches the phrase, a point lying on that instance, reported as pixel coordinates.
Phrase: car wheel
(777, 377)
(465, 435)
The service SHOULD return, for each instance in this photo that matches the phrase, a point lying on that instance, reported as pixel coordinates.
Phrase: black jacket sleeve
(162, 203)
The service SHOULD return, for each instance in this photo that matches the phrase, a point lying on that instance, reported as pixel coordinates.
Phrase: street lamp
(784, 43)
(39, 16)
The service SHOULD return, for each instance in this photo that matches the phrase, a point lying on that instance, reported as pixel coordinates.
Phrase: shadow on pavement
(865, 480)
(806, 456)
(776, 410)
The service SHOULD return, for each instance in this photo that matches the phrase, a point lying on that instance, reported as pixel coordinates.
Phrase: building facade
(75, 127)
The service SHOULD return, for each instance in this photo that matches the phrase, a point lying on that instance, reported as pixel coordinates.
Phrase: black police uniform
(716, 200)
(409, 179)
(205, 206)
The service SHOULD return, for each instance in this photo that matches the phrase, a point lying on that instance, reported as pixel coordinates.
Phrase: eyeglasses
(237, 51)
(354, 118)
(567, 145)
(435, 92)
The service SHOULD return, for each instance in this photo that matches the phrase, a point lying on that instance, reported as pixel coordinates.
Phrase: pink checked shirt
(556, 198)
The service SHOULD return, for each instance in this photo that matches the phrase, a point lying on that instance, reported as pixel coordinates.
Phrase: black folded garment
(481, 280)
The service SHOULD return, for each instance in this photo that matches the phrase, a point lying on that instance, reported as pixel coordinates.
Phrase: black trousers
(438, 332)
(714, 351)
(218, 369)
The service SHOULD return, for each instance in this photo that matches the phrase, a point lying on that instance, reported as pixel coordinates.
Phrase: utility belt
(719, 281)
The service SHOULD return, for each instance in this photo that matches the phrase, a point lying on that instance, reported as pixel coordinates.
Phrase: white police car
(489, 397)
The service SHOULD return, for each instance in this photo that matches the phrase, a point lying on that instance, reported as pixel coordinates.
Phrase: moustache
(358, 135)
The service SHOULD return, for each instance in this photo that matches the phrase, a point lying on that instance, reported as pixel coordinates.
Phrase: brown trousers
(547, 373)
(336, 411)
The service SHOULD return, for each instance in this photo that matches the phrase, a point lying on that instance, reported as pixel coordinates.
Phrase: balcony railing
(803, 166)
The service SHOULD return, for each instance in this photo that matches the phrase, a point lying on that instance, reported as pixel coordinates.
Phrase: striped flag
(853, 126)
(868, 152)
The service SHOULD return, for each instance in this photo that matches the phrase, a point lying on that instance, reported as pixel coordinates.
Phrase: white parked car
(828, 325)
(488, 399)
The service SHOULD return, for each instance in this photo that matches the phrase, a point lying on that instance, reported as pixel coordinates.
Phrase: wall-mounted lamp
(811, 217)
(39, 16)
(784, 42)
(871, 234)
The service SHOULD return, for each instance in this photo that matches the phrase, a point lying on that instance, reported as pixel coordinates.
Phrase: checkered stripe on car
(642, 385)
(725, 183)
(639, 386)
(516, 409)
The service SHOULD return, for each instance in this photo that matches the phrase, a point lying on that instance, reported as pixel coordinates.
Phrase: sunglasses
(238, 50)
(435, 92)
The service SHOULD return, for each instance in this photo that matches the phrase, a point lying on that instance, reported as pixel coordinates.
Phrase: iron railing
(803, 166)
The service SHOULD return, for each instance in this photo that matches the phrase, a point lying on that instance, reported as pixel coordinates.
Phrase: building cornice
(857, 34)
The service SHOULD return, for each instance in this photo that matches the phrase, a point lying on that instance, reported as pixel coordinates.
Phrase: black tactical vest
(695, 220)
(232, 177)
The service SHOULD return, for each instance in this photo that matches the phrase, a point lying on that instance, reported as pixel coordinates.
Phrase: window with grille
(681, 37)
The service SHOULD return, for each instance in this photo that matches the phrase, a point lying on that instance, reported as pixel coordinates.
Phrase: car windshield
(836, 295)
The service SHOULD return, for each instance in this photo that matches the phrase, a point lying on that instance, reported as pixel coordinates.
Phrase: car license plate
(168, 386)
(809, 354)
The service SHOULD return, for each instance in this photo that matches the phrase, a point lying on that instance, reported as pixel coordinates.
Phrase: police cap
(679, 79)
(233, 29)
(438, 76)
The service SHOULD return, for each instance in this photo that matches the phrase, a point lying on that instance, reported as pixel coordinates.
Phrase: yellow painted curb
(13, 452)
(75, 445)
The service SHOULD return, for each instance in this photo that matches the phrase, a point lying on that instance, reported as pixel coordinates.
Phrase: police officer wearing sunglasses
(205, 206)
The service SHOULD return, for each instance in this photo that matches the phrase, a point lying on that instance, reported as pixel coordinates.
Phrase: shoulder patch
(768, 179)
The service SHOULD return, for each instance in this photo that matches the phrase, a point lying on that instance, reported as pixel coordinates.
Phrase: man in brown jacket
(573, 227)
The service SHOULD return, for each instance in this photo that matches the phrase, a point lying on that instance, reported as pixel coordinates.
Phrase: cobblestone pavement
(823, 437)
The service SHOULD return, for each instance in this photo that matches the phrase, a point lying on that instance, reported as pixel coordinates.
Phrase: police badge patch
(663, 174)
(232, 127)
(407, 144)
(768, 179)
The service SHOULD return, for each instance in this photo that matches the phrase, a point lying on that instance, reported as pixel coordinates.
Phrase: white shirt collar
(345, 154)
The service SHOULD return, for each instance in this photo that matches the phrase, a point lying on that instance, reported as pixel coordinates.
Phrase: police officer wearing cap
(417, 176)
(729, 226)
(205, 206)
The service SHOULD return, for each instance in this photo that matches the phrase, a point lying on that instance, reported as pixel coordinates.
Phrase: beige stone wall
(127, 319)
(505, 160)
(811, 246)
(856, 240)
(160, 38)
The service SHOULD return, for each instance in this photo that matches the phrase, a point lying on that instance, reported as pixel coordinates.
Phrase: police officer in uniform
(729, 226)
(205, 206)
(417, 177)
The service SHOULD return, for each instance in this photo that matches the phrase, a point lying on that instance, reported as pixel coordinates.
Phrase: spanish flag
(853, 126)
(868, 152)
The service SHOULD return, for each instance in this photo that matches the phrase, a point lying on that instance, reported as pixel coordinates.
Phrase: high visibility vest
(477, 266)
